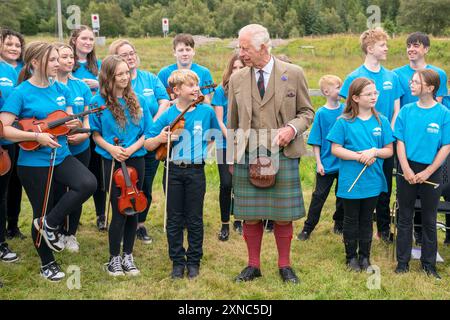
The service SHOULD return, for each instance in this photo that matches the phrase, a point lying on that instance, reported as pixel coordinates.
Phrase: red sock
(253, 234)
(283, 238)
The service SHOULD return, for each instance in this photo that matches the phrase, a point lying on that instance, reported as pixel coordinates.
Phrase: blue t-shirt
(19, 67)
(81, 96)
(358, 135)
(220, 99)
(423, 131)
(446, 101)
(405, 75)
(8, 80)
(105, 124)
(149, 86)
(83, 73)
(324, 120)
(203, 73)
(28, 101)
(387, 84)
(200, 127)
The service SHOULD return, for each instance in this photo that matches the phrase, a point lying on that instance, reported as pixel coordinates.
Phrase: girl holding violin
(119, 135)
(186, 184)
(148, 85)
(37, 96)
(8, 80)
(78, 142)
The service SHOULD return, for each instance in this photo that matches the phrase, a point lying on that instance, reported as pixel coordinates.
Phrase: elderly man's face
(248, 53)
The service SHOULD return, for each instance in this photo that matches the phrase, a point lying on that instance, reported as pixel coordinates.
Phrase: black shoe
(51, 235)
(268, 226)
(248, 274)
(386, 236)
(237, 226)
(338, 229)
(224, 234)
(402, 268)
(353, 265)
(193, 271)
(364, 263)
(288, 275)
(431, 272)
(101, 223)
(6, 255)
(15, 233)
(142, 235)
(418, 238)
(52, 272)
(177, 272)
(303, 236)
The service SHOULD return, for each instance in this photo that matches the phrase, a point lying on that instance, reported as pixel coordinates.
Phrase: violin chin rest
(129, 212)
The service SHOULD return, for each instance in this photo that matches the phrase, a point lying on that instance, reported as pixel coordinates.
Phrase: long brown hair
(229, 70)
(351, 110)
(92, 65)
(40, 51)
(107, 81)
(430, 78)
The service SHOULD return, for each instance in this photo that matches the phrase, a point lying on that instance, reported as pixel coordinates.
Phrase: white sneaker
(71, 244)
(6, 255)
(128, 265)
(52, 272)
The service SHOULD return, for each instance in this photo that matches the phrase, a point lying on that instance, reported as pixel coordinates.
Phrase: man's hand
(284, 136)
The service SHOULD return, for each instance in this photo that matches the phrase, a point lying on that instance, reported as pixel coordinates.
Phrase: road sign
(165, 25)
(95, 21)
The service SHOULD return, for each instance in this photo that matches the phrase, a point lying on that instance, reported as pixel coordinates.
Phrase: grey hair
(259, 36)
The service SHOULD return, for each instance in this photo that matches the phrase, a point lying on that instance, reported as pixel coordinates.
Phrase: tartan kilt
(282, 202)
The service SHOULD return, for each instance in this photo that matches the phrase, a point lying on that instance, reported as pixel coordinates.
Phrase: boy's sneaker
(51, 236)
(15, 233)
(431, 271)
(101, 223)
(402, 268)
(237, 226)
(303, 236)
(142, 235)
(71, 244)
(6, 255)
(128, 265)
(114, 266)
(52, 272)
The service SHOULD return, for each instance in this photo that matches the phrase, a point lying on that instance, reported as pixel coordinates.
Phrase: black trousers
(4, 184)
(71, 174)
(446, 194)
(358, 223)
(319, 196)
(121, 226)
(151, 167)
(225, 185)
(97, 167)
(407, 194)
(72, 222)
(185, 196)
(14, 199)
(383, 210)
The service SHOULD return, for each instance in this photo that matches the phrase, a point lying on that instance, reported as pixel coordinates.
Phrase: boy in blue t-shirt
(186, 177)
(184, 52)
(327, 164)
(374, 45)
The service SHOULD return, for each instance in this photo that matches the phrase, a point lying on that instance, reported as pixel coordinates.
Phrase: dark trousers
(72, 222)
(70, 173)
(14, 199)
(407, 194)
(225, 186)
(97, 167)
(151, 167)
(4, 184)
(185, 196)
(122, 226)
(358, 223)
(383, 211)
(446, 194)
(319, 196)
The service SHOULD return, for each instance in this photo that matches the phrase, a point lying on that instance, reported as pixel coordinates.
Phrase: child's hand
(118, 153)
(320, 169)
(423, 176)
(164, 136)
(367, 156)
(409, 176)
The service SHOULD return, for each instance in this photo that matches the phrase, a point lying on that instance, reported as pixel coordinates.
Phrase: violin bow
(167, 180)
(46, 195)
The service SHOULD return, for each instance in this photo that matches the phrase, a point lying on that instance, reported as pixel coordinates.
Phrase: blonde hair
(119, 43)
(329, 80)
(180, 77)
(371, 36)
(40, 51)
(60, 46)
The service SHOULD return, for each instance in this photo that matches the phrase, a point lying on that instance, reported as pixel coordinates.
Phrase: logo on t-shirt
(147, 92)
(61, 101)
(79, 102)
(433, 128)
(198, 129)
(387, 85)
(5, 82)
(376, 132)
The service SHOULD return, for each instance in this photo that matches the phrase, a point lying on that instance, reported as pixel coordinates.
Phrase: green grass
(319, 262)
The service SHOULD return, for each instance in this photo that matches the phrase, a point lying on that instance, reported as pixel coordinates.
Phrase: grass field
(319, 262)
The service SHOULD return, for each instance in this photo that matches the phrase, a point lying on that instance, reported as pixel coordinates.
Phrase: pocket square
(290, 94)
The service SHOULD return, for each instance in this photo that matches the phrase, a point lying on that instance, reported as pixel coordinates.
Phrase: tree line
(223, 18)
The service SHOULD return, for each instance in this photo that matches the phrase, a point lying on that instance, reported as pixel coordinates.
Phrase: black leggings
(123, 227)
(14, 199)
(4, 183)
(358, 215)
(70, 173)
(96, 166)
(225, 186)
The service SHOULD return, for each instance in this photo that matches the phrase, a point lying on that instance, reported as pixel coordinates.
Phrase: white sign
(165, 25)
(95, 21)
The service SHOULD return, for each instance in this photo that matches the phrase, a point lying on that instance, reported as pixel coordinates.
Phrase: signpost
(165, 26)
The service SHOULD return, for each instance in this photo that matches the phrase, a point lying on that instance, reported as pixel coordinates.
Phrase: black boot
(351, 255)
(364, 254)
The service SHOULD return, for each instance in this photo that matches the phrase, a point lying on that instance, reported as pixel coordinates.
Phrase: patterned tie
(261, 88)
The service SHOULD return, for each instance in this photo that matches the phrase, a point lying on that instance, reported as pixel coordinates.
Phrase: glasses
(371, 94)
(129, 54)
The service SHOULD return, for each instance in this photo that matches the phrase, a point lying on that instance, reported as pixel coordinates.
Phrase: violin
(5, 160)
(177, 124)
(209, 86)
(131, 200)
(54, 124)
